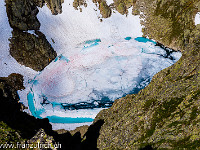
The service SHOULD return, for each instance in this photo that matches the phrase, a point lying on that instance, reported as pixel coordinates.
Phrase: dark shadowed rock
(15, 81)
(82, 130)
(91, 136)
(10, 109)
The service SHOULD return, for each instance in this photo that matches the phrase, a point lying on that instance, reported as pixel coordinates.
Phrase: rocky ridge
(166, 113)
(22, 15)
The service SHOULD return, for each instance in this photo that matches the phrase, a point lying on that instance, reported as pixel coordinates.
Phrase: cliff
(165, 114)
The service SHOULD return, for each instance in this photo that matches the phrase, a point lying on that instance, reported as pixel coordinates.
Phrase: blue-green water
(61, 57)
(53, 119)
(92, 43)
(128, 38)
(144, 40)
(56, 119)
(35, 113)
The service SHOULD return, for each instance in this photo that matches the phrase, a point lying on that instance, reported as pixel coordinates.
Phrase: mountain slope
(166, 114)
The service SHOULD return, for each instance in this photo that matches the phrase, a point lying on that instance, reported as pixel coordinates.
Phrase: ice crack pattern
(77, 85)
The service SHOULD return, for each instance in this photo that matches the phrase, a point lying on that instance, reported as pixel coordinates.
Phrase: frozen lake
(76, 86)
(97, 63)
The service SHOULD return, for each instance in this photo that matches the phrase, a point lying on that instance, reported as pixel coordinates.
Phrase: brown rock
(33, 51)
(22, 14)
(55, 6)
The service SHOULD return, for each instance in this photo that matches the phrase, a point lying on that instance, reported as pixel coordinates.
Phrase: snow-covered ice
(69, 126)
(81, 83)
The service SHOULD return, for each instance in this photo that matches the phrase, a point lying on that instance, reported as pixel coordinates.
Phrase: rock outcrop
(55, 6)
(10, 108)
(123, 5)
(105, 10)
(168, 21)
(31, 50)
(45, 141)
(13, 80)
(78, 3)
(22, 14)
(165, 114)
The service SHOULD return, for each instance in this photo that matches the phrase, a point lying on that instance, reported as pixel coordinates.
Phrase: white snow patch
(72, 27)
(57, 126)
(197, 18)
(109, 2)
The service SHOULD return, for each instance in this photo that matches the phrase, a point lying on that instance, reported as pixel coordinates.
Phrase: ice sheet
(81, 83)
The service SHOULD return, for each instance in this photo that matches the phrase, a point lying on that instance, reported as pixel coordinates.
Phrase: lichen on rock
(31, 50)
(167, 20)
(55, 6)
(122, 5)
(78, 3)
(105, 10)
